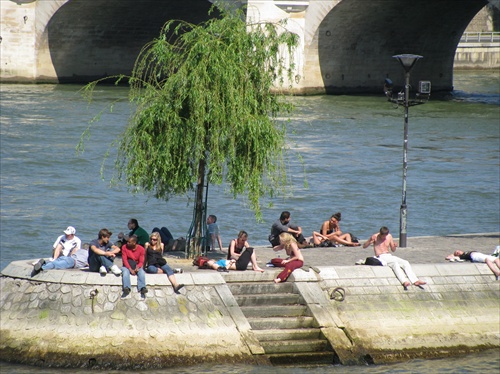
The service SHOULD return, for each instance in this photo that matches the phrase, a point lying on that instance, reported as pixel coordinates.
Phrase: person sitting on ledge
(156, 263)
(66, 244)
(133, 256)
(67, 254)
(102, 254)
(242, 253)
(294, 259)
(330, 230)
(492, 261)
(382, 243)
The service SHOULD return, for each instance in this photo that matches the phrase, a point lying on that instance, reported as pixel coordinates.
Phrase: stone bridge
(346, 45)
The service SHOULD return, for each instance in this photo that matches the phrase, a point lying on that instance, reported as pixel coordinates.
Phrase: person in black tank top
(240, 250)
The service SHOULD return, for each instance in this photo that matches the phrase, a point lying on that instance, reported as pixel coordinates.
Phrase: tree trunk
(195, 236)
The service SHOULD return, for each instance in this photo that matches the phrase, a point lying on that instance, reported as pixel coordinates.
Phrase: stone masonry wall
(81, 321)
(77, 319)
(457, 311)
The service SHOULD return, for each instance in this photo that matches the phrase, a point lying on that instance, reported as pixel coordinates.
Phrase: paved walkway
(420, 250)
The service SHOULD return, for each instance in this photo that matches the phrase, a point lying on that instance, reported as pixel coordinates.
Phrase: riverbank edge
(53, 320)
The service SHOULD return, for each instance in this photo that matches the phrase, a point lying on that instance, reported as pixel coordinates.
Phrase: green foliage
(204, 105)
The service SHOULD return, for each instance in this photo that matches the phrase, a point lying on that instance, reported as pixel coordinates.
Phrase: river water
(345, 155)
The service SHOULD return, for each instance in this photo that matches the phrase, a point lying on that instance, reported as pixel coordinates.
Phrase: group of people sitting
(144, 253)
(141, 253)
(330, 234)
(240, 255)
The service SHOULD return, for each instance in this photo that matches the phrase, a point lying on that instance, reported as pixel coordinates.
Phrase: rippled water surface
(345, 155)
(485, 362)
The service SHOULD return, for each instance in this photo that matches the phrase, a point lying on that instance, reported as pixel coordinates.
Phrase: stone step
(261, 288)
(259, 299)
(296, 346)
(287, 334)
(302, 359)
(264, 311)
(281, 323)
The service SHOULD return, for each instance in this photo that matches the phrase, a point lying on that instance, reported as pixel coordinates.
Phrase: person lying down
(492, 261)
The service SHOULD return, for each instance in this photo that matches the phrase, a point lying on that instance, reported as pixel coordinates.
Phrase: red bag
(201, 261)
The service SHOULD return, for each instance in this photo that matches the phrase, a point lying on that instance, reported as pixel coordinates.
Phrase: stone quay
(329, 312)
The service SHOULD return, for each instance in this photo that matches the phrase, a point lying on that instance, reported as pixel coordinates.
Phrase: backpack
(179, 244)
(373, 261)
(326, 243)
(201, 262)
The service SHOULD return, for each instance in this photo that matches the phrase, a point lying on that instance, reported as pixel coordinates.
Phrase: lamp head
(407, 60)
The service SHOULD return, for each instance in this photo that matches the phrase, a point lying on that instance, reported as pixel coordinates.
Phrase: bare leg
(493, 268)
(345, 240)
(255, 266)
(318, 238)
(57, 251)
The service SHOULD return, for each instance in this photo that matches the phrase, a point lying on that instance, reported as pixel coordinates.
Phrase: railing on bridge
(480, 37)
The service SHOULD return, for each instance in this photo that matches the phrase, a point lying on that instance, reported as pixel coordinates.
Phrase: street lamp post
(407, 62)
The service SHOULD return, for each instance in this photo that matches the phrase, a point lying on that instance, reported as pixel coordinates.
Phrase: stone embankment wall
(477, 56)
(77, 319)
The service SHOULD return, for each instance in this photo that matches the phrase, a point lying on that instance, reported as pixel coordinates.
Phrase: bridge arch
(94, 39)
(357, 39)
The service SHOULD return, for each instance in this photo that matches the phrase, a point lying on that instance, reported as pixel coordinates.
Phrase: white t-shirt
(68, 245)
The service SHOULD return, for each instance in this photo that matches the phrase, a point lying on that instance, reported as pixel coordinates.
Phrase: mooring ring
(338, 294)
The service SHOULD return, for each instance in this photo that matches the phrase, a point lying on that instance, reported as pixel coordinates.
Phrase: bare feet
(353, 244)
(258, 269)
(277, 280)
(419, 283)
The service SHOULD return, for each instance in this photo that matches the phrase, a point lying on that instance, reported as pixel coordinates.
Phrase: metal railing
(480, 37)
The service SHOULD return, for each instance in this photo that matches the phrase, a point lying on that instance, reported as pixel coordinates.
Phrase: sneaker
(102, 270)
(144, 291)
(38, 267)
(126, 292)
(116, 270)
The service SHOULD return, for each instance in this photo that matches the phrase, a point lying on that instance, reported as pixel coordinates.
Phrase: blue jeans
(141, 278)
(165, 268)
(62, 262)
(95, 262)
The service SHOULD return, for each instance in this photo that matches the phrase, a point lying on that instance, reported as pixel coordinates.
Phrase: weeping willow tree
(205, 113)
